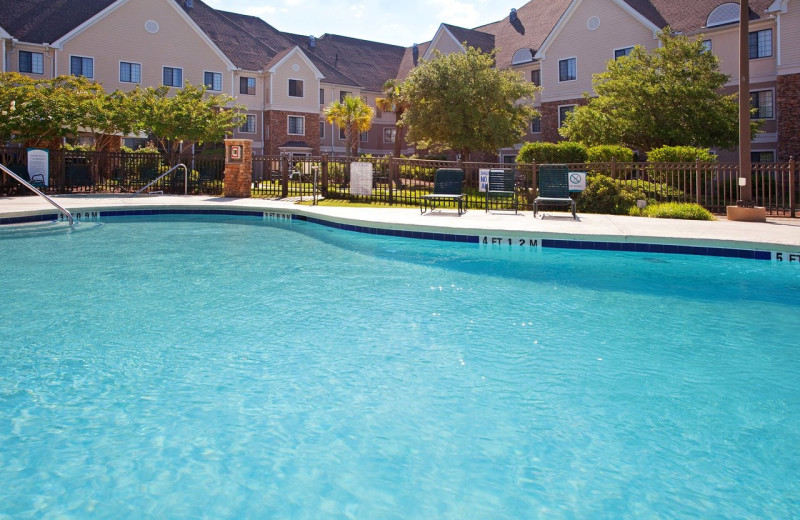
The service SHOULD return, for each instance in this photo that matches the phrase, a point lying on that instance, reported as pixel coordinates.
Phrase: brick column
(238, 168)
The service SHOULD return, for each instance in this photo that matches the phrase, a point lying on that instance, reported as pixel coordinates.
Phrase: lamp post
(745, 187)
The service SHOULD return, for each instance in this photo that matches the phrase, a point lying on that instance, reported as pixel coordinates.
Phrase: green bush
(679, 210)
(680, 154)
(607, 152)
(550, 153)
(603, 195)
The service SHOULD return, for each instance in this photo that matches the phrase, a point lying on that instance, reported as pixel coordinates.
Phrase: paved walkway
(780, 234)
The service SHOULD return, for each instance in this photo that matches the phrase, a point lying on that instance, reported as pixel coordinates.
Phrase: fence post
(324, 187)
(534, 180)
(697, 180)
(284, 176)
(792, 186)
(392, 177)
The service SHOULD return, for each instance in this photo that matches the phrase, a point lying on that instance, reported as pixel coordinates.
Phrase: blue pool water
(198, 367)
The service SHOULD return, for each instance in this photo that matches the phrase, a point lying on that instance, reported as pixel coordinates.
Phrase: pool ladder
(36, 191)
(185, 179)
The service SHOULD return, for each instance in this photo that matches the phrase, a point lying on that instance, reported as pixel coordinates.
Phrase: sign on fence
(39, 164)
(361, 178)
(577, 181)
(483, 176)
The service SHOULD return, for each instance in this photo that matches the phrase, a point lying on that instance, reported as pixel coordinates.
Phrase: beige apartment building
(285, 80)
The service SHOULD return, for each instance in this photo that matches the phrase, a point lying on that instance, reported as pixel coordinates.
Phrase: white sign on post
(483, 176)
(577, 181)
(361, 178)
(39, 164)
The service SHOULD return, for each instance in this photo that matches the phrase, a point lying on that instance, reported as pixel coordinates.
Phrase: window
(322, 129)
(130, 72)
(249, 125)
(536, 77)
(618, 53)
(80, 66)
(707, 45)
(378, 112)
(32, 62)
(536, 125)
(296, 88)
(343, 94)
(213, 80)
(389, 135)
(568, 69)
(562, 113)
(296, 125)
(342, 135)
(173, 77)
(247, 86)
(760, 44)
(321, 96)
(762, 101)
(364, 137)
(762, 157)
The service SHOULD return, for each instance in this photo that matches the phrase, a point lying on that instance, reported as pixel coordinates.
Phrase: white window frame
(576, 69)
(755, 116)
(33, 68)
(83, 58)
(221, 81)
(537, 83)
(183, 78)
(322, 129)
(771, 43)
(130, 63)
(255, 86)
(539, 131)
(289, 88)
(288, 124)
(708, 45)
(560, 120)
(393, 134)
(363, 137)
(246, 124)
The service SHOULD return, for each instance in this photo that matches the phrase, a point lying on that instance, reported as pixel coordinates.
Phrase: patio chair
(554, 188)
(77, 175)
(37, 181)
(447, 187)
(502, 185)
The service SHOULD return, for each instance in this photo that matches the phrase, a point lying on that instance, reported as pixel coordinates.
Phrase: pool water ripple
(229, 368)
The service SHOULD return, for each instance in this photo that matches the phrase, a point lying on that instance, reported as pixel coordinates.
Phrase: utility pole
(745, 166)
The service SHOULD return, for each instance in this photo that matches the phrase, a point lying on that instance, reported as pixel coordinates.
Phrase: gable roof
(45, 21)
(533, 23)
(689, 16)
(474, 38)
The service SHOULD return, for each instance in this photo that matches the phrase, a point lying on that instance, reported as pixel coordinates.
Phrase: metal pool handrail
(185, 178)
(33, 189)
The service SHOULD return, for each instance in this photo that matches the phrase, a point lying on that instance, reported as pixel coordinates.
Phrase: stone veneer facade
(238, 173)
(788, 109)
(277, 131)
(549, 114)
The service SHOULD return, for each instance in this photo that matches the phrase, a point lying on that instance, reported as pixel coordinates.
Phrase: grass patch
(679, 210)
(344, 203)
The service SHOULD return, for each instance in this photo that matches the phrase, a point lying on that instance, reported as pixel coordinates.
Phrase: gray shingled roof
(689, 16)
(477, 39)
(45, 21)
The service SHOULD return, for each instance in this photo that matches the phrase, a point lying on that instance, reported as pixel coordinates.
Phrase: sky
(403, 22)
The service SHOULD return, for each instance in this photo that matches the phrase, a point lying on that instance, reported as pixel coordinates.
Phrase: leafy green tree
(394, 101)
(461, 102)
(667, 96)
(107, 116)
(354, 116)
(189, 116)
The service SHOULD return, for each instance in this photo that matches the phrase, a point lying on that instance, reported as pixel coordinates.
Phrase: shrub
(680, 154)
(603, 195)
(679, 210)
(607, 152)
(550, 153)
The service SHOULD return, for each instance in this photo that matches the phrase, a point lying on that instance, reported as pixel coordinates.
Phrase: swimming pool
(227, 367)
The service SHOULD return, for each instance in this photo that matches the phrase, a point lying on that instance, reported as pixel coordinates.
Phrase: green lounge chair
(447, 187)
(502, 185)
(554, 188)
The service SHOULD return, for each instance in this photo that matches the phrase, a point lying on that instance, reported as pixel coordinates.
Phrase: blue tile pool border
(636, 247)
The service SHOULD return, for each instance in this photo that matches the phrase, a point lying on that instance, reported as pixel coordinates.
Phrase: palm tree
(353, 115)
(393, 101)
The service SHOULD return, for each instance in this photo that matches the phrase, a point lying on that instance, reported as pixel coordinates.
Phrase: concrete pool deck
(777, 234)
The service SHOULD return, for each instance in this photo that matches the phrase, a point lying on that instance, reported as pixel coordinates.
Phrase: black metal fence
(775, 186)
(74, 171)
